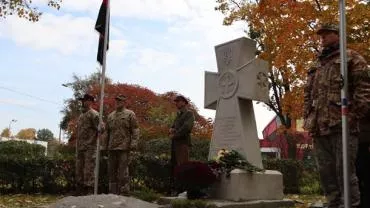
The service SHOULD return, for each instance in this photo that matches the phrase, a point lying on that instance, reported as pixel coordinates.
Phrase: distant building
(42, 143)
(275, 145)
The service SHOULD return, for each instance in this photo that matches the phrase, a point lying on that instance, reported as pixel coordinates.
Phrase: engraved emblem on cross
(228, 84)
(228, 56)
(262, 80)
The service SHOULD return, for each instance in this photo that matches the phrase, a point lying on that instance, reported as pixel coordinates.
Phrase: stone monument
(241, 78)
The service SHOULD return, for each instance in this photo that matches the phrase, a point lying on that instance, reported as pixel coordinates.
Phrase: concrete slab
(284, 203)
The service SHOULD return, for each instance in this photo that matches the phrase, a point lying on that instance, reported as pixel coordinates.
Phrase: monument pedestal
(246, 186)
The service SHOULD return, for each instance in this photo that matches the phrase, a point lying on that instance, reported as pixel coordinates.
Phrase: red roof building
(274, 144)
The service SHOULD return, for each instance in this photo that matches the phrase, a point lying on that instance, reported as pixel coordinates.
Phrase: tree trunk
(292, 146)
(290, 139)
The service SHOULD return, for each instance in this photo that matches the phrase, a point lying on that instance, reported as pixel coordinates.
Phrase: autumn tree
(29, 133)
(155, 112)
(24, 9)
(5, 133)
(79, 86)
(285, 34)
(45, 135)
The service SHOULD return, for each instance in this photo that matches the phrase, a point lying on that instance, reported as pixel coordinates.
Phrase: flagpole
(102, 82)
(344, 95)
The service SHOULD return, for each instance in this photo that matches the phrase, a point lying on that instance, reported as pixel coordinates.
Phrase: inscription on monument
(227, 130)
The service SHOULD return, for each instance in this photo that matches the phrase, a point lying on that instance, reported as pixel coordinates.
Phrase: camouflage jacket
(322, 96)
(183, 124)
(87, 130)
(122, 130)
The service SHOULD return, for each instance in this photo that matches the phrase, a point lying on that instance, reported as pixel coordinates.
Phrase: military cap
(120, 97)
(328, 27)
(87, 97)
(181, 98)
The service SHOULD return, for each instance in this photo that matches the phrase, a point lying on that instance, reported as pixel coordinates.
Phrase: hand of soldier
(102, 126)
(350, 119)
(171, 132)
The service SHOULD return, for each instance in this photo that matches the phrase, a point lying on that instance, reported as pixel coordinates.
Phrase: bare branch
(318, 5)
(236, 4)
(26, 4)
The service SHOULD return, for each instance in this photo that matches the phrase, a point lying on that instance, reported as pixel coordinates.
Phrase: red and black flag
(100, 25)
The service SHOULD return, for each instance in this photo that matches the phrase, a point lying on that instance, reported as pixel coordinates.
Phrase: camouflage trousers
(329, 156)
(119, 180)
(363, 167)
(85, 163)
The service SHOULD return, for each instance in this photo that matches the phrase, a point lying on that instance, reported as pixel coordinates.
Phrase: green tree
(45, 135)
(5, 133)
(24, 9)
(79, 86)
(29, 133)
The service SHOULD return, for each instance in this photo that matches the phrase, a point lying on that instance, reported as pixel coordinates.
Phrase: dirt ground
(33, 201)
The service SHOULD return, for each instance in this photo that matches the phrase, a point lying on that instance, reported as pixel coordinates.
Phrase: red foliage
(142, 101)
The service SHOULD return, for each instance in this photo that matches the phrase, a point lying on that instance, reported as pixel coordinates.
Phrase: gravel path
(101, 201)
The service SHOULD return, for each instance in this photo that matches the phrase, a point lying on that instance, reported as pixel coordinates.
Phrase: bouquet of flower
(230, 160)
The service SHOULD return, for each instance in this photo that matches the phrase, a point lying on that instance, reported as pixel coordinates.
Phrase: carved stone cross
(241, 78)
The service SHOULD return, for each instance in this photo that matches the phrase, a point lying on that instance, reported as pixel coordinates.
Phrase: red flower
(195, 174)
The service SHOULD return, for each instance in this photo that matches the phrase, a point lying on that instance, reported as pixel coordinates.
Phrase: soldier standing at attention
(323, 117)
(123, 135)
(180, 135)
(87, 133)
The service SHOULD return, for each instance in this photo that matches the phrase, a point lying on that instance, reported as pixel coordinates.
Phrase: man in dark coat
(180, 133)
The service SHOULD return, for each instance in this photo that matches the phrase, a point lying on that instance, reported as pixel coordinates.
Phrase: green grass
(304, 201)
(26, 201)
(146, 195)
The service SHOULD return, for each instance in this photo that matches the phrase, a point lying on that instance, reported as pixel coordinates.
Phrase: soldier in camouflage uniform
(122, 135)
(322, 113)
(87, 132)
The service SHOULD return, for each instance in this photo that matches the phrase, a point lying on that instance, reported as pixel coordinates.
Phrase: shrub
(152, 168)
(36, 175)
(65, 151)
(25, 169)
(291, 170)
(309, 183)
(157, 147)
(151, 171)
(198, 150)
(21, 150)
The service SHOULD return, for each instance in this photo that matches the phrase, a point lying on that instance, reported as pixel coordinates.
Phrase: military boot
(89, 190)
(79, 191)
(113, 188)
